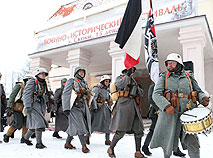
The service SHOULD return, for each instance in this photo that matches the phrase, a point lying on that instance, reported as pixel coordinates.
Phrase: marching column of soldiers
(80, 111)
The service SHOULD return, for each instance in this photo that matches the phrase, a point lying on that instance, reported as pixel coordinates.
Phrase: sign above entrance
(170, 11)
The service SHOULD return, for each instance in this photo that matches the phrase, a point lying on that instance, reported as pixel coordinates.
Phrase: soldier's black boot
(179, 153)
(33, 135)
(40, 146)
(12, 136)
(55, 134)
(28, 142)
(146, 151)
(6, 138)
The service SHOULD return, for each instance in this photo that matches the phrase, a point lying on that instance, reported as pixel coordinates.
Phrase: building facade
(83, 32)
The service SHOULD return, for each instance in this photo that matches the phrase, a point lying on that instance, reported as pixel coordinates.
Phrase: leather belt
(182, 95)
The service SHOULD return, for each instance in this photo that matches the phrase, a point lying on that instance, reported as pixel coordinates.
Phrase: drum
(197, 120)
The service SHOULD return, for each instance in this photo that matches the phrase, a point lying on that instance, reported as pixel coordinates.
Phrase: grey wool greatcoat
(36, 119)
(101, 113)
(168, 127)
(61, 120)
(126, 108)
(80, 117)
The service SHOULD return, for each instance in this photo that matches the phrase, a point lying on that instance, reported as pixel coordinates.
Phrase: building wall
(204, 7)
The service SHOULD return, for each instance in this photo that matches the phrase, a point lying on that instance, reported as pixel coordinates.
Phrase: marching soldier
(61, 120)
(36, 98)
(78, 113)
(3, 104)
(16, 106)
(153, 115)
(100, 109)
(184, 92)
(127, 116)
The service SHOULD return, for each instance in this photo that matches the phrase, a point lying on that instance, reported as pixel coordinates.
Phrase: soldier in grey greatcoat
(16, 106)
(3, 104)
(127, 116)
(78, 114)
(153, 115)
(168, 127)
(61, 120)
(36, 99)
(100, 108)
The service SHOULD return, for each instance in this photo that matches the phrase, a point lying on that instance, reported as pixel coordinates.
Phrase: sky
(19, 19)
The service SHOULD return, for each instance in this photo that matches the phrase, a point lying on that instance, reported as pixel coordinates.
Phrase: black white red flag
(129, 36)
(151, 48)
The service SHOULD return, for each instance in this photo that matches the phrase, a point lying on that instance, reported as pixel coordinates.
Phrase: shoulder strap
(166, 80)
(187, 74)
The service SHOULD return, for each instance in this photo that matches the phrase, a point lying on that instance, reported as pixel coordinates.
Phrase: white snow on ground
(55, 147)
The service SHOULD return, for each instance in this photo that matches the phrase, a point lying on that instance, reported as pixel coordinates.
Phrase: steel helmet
(105, 77)
(174, 57)
(27, 76)
(41, 70)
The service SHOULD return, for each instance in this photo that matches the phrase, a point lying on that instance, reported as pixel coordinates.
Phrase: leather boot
(85, 149)
(107, 142)
(87, 139)
(178, 153)
(33, 135)
(111, 153)
(40, 146)
(6, 138)
(55, 134)
(146, 151)
(138, 154)
(69, 146)
(28, 142)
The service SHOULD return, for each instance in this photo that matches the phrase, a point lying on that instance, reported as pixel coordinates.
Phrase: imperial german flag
(129, 36)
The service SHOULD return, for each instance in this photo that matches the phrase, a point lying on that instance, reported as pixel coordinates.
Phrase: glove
(67, 112)
(29, 110)
(170, 109)
(8, 111)
(205, 101)
(129, 72)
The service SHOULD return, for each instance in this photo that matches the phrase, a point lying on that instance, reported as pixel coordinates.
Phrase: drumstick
(185, 114)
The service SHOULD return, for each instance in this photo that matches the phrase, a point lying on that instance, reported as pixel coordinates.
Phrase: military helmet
(105, 77)
(174, 57)
(27, 76)
(79, 68)
(41, 70)
(63, 80)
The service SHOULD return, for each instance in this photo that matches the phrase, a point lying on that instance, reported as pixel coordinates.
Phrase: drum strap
(187, 74)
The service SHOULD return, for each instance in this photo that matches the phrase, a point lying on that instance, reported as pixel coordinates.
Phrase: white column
(118, 56)
(193, 41)
(78, 57)
(40, 62)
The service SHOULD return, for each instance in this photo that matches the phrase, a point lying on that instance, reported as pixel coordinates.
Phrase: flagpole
(150, 3)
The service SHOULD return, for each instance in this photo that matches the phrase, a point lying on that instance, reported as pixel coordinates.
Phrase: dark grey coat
(61, 120)
(126, 108)
(168, 127)
(36, 119)
(101, 113)
(80, 117)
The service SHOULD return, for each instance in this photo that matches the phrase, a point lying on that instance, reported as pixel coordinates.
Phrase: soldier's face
(171, 65)
(64, 83)
(106, 82)
(81, 73)
(42, 75)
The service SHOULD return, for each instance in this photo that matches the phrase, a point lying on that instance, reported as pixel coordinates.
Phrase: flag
(129, 36)
(151, 49)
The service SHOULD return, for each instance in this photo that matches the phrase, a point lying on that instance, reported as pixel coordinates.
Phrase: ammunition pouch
(18, 107)
(124, 94)
(194, 96)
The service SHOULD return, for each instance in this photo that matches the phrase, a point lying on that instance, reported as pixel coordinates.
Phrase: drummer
(184, 91)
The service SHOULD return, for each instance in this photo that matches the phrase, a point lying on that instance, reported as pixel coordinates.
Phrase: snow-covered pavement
(55, 147)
